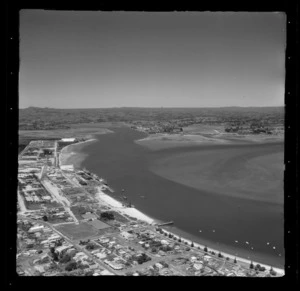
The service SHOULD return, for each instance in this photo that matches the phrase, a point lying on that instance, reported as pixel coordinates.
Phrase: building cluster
(31, 189)
(152, 127)
(239, 125)
(254, 129)
(64, 229)
(47, 253)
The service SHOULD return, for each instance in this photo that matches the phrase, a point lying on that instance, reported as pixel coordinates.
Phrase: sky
(95, 59)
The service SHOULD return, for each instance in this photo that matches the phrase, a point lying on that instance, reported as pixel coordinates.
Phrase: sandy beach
(117, 206)
(252, 172)
(69, 155)
(240, 260)
(164, 141)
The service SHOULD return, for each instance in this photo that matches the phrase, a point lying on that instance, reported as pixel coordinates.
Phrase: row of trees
(107, 215)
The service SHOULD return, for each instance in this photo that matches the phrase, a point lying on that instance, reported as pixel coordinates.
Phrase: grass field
(78, 231)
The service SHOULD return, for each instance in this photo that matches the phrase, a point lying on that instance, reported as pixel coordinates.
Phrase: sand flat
(245, 172)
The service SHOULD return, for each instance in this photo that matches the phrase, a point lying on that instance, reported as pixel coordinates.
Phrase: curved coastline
(71, 155)
(76, 151)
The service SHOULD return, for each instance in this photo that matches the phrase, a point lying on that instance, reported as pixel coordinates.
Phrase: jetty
(166, 223)
(109, 189)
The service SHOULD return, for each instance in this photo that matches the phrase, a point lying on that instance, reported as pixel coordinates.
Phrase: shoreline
(239, 259)
(117, 206)
(163, 141)
(66, 154)
(133, 212)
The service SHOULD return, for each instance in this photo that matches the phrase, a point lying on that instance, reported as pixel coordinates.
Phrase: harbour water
(249, 228)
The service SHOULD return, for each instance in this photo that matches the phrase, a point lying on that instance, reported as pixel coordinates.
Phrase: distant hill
(48, 118)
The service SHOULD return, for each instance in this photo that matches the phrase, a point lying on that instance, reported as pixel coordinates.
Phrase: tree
(90, 246)
(58, 243)
(72, 265)
(45, 218)
(220, 255)
(235, 260)
(272, 272)
(65, 259)
(251, 265)
(262, 269)
(55, 256)
(192, 244)
(107, 215)
(179, 239)
(205, 249)
(143, 258)
(257, 267)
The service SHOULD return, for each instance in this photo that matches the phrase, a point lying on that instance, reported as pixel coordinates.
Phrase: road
(77, 246)
(61, 199)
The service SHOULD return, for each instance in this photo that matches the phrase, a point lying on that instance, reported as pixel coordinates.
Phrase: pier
(110, 189)
(166, 223)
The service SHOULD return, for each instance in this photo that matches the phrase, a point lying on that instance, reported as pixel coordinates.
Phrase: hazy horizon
(163, 107)
(85, 60)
